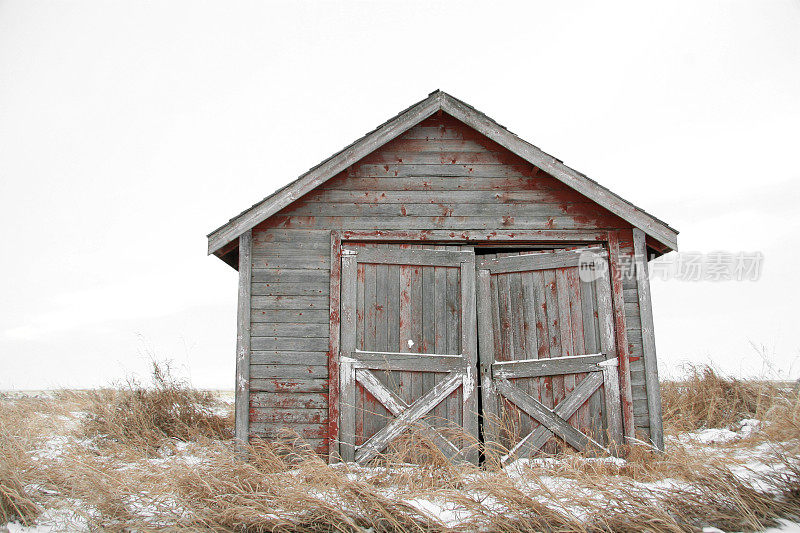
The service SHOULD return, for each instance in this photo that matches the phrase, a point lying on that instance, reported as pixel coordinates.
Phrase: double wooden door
(411, 319)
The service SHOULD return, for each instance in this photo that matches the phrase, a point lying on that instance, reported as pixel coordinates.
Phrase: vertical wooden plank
(428, 326)
(551, 298)
(605, 315)
(368, 409)
(453, 301)
(532, 342)
(347, 384)
(542, 332)
(333, 346)
(564, 313)
(370, 307)
(506, 319)
(242, 397)
(565, 324)
(591, 335)
(648, 340)
(626, 395)
(440, 320)
(381, 322)
(529, 311)
(521, 350)
(416, 328)
(393, 309)
(360, 307)
(469, 347)
(487, 357)
(581, 418)
(517, 317)
(404, 379)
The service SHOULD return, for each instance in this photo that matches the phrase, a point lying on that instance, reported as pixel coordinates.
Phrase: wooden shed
(442, 272)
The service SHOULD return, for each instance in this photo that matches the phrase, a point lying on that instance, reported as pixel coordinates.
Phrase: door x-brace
(556, 421)
(406, 416)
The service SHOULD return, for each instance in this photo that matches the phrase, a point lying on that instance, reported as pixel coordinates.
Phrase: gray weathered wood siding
(439, 175)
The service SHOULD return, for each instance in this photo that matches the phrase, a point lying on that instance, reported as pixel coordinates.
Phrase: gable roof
(405, 120)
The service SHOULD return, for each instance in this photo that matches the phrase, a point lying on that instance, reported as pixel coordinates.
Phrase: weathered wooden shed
(442, 271)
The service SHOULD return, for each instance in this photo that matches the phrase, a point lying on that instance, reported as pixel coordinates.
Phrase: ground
(69, 465)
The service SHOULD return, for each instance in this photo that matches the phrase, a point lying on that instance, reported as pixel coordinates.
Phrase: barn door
(408, 349)
(547, 352)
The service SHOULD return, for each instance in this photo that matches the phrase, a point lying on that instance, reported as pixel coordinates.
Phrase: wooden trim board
(242, 394)
(648, 341)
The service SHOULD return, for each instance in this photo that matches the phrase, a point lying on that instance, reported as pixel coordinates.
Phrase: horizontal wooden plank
(419, 143)
(296, 416)
(638, 393)
(269, 248)
(277, 430)
(534, 261)
(289, 302)
(412, 362)
(444, 183)
(289, 329)
(436, 197)
(291, 344)
(428, 209)
(493, 223)
(432, 132)
(278, 235)
(288, 385)
(289, 289)
(312, 316)
(510, 236)
(280, 357)
(415, 257)
(290, 275)
(393, 156)
(289, 400)
(630, 295)
(397, 170)
(293, 259)
(530, 368)
(287, 372)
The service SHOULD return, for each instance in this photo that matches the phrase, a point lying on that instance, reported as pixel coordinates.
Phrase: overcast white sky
(129, 130)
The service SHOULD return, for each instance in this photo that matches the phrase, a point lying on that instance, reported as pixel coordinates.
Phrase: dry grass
(118, 459)
(15, 470)
(705, 398)
(145, 416)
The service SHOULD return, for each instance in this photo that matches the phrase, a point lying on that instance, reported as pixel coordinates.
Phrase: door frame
(608, 239)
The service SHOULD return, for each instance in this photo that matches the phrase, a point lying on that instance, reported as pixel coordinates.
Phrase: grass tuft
(145, 416)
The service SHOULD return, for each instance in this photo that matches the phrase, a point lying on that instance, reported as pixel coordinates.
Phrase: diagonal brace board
(397, 406)
(537, 438)
(418, 409)
(548, 418)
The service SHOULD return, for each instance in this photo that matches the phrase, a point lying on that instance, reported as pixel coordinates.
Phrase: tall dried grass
(141, 483)
(706, 398)
(16, 503)
(144, 416)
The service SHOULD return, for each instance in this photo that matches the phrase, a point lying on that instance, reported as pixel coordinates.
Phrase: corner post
(333, 347)
(242, 401)
(648, 340)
